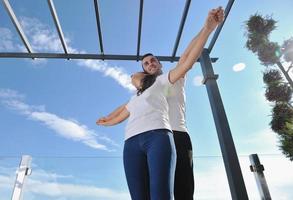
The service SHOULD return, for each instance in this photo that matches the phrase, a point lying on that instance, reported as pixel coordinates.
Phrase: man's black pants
(184, 180)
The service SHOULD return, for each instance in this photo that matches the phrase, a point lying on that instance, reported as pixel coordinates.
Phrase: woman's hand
(102, 121)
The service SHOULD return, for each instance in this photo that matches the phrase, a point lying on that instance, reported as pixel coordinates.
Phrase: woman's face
(136, 79)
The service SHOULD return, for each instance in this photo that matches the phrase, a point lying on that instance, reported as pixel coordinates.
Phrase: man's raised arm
(195, 47)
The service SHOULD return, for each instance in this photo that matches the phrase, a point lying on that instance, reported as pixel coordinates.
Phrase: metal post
(257, 168)
(23, 171)
(99, 26)
(17, 25)
(219, 28)
(233, 171)
(57, 24)
(183, 19)
(139, 29)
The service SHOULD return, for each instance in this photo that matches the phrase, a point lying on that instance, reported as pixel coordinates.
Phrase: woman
(149, 154)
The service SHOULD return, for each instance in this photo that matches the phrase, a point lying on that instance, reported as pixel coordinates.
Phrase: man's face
(152, 65)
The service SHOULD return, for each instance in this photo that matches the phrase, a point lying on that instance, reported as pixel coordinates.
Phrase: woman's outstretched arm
(114, 119)
(115, 113)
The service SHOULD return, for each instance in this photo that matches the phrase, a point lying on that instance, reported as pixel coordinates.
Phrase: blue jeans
(149, 163)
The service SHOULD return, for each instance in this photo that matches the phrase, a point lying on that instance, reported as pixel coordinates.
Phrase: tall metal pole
(233, 171)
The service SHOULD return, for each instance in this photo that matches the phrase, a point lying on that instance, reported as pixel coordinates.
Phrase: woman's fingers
(100, 123)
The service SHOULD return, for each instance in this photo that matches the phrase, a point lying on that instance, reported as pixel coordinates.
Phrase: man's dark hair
(146, 55)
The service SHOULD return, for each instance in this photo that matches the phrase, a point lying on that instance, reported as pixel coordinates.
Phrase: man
(184, 179)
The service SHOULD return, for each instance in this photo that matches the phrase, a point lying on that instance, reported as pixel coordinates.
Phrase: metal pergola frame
(102, 56)
(230, 158)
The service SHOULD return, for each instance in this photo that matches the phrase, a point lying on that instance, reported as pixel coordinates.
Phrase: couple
(157, 147)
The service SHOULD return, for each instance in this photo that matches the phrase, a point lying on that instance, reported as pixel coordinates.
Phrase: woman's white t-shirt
(149, 111)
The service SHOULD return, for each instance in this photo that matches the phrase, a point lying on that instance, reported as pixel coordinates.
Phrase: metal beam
(99, 26)
(218, 30)
(84, 56)
(17, 25)
(183, 19)
(139, 29)
(232, 166)
(57, 24)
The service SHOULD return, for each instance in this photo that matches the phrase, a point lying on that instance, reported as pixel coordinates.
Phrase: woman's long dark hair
(146, 82)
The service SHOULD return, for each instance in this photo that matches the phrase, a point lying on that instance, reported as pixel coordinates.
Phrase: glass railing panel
(8, 171)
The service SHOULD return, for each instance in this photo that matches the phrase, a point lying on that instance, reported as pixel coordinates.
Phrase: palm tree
(269, 53)
(278, 91)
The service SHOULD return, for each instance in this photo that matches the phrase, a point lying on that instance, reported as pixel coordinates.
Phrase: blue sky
(48, 108)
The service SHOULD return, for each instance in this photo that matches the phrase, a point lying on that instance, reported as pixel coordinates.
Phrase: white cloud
(6, 181)
(73, 191)
(117, 73)
(197, 80)
(278, 173)
(45, 185)
(43, 39)
(8, 93)
(239, 67)
(67, 128)
(43, 175)
(6, 40)
(211, 182)
(264, 141)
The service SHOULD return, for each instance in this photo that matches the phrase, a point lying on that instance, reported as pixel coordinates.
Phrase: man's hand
(215, 17)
